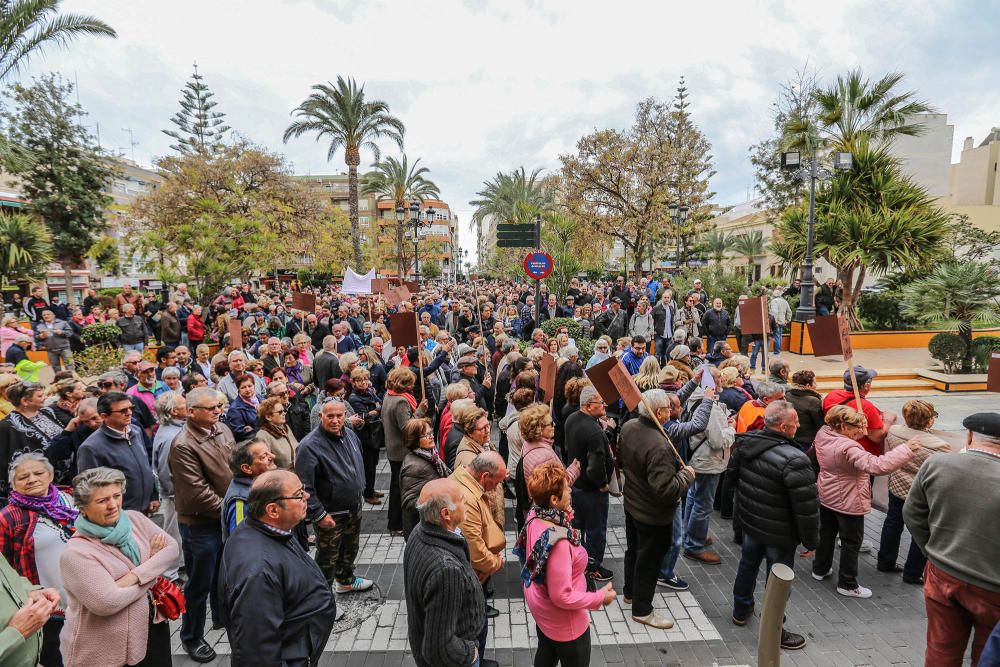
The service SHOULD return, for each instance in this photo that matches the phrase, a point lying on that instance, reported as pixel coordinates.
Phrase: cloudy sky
(485, 86)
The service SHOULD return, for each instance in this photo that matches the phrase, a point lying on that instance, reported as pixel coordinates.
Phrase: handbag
(168, 598)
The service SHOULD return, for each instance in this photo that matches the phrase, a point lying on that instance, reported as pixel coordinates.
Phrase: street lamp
(792, 161)
(417, 224)
(678, 214)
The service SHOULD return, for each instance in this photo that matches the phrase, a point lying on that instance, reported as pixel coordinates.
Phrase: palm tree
(959, 292)
(25, 248)
(397, 181)
(749, 245)
(717, 243)
(514, 198)
(341, 114)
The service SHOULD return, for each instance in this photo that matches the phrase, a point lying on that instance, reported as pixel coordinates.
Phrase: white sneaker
(654, 620)
(866, 547)
(859, 592)
(821, 577)
(359, 584)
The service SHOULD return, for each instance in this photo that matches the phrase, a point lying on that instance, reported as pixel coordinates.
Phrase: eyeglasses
(301, 496)
(279, 411)
(120, 411)
(105, 385)
(485, 427)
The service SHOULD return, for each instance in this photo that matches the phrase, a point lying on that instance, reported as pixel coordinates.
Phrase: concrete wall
(927, 158)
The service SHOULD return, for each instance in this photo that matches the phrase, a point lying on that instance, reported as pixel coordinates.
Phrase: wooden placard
(380, 285)
(625, 385)
(753, 316)
(613, 382)
(993, 373)
(412, 285)
(304, 301)
(235, 334)
(397, 295)
(547, 377)
(824, 332)
(403, 329)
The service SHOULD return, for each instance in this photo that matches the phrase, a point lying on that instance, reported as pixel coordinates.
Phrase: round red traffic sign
(538, 265)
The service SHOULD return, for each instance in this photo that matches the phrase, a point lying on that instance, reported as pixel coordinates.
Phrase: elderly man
(719, 353)
(170, 326)
(664, 313)
(276, 606)
(780, 370)
(951, 512)
(148, 387)
(751, 414)
(199, 467)
(133, 328)
(53, 335)
(237, 366)
(17, 356)
(326, 364)
(782, 314)
(250, 460)
(171, 412)
(444, 599)
(328, 461)
(715, 324)
(345, 341)
(777, 505)
(657, 480)
(484, 535)
(271, 356)
(879, 421)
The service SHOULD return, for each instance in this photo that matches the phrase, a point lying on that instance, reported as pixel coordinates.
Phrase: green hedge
(100, 333)
(584, 345)
(882, 312)
(981, 349)
(949, 349)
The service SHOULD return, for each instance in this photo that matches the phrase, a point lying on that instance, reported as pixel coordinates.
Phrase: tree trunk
(68, 277)
(965, 331)
(353, 160)
(852, 287)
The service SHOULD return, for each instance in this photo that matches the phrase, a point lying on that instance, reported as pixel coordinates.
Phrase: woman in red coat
(195, 328)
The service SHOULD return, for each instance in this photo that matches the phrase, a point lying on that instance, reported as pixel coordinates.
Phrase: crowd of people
(238, 474)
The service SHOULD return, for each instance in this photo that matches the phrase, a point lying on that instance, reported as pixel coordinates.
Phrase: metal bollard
(779, 583)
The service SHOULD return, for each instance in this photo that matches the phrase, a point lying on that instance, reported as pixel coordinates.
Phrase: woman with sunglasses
(420, 466)
(272, 415)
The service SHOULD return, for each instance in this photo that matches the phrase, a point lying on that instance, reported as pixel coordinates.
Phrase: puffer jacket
(711, 446)
(809, 406)
(901, 480)
(775, 488)
(844, 467)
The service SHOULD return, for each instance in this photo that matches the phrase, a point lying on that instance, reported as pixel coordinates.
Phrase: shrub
(584, 345)
(109, 291)
(97, 359)
(949, 349)
(883, 311)
(100, 333)
(716, 283)
(981, 349)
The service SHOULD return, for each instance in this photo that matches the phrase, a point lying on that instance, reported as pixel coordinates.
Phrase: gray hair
(25, 457)
(430, 511)
(118, 377)
(588, 394)
(89, 481)
(487, 461)
(768, 389)
(507, 346)
(330, 343)
(234, 354)
(195, 396)
(776, 413)
(85, 404)
(569, 352)
(777, 365)
(680, 333)
(241, 456)
(170, 371)
(165, 405)
(655, 399)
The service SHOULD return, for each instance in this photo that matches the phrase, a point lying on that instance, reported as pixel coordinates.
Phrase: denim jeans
(202, 547)
(892, 530)
(133, 347)
(822, 310)
(481, 640)
(746, 573)
(757, 345)
(711, 341)
(590, 517)
(777, 338)
(660, 349)
(699, 507)
(677, 540)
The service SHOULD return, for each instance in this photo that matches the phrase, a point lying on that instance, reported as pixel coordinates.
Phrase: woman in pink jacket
(845, 493)
(554, 572)
(107, 569)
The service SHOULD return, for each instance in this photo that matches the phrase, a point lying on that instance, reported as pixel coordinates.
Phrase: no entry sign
(538, 265)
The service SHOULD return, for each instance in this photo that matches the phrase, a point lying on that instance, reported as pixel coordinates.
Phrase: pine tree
(200, 130)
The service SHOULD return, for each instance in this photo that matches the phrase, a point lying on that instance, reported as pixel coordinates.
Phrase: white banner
(355, 284)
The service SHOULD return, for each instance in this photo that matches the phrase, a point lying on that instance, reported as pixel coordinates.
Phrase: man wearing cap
(696, 288)
(613, 321)
(17, 354)
(468, 369)
(952, 513)
(879, 421)
(148, 387)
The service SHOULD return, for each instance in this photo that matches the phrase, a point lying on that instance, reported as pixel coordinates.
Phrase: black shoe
(601, 574)
(491, 611)
(791, 641)
(200, 651)
(916, 581)
(489, 591)
(217, 625)
(888, 568)
(486, 662)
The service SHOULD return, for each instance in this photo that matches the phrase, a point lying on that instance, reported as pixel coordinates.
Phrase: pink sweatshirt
(105, 624)
(844, 467)
(535, 454)
(559, 606)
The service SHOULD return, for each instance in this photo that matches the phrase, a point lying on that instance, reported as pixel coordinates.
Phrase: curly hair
(267, 406)
(400, 379)
(573, 388)
(522, 398)
(547, 480)
(840, 415)
(533, 420)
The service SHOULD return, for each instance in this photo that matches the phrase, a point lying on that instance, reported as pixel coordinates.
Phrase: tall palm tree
(749, 245)
(341, 114)
(717, 243)
(25, 248)
(514, 198)
(399, 182)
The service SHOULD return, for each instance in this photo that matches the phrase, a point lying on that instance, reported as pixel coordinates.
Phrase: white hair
(655, 399)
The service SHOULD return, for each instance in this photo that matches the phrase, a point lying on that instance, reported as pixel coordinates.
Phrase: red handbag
(168, 598)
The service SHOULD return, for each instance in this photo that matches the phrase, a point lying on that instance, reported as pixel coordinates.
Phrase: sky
(489, 86)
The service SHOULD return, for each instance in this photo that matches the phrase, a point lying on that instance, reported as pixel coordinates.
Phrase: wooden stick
(479, 315)
(420, 358)
(652, 412)
(765, 329)
(854, 381)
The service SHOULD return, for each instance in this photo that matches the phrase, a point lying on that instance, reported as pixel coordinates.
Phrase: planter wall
(876, 340)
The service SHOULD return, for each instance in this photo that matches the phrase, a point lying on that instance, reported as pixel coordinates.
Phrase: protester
(272, 416)
(878, 421)
(54, 337)
(399, 408)
(26, 429)
(250, 460)
(171, 412)
(808, 405)
(107, 568)
(420, 466)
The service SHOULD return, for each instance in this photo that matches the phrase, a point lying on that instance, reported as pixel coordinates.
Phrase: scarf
(533, 570)
(431, 456)
(409, 398)
(118, 535)
(279, 431)
(294, 373)
(51, 505)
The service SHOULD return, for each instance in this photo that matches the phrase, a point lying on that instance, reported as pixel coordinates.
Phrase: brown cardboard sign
(547, 377)
(397, 295)
(625, 385)
(403, 329)
(613, 382)
(412, 285)
(304, 301)
(380, 286)
(235, 334)
(824, 332)
(993, 375)
(753, 316)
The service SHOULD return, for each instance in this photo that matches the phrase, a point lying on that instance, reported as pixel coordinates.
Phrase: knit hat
(680, 352)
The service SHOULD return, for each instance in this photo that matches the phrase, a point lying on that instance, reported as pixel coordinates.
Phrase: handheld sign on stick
(235, 334)
(547, 377)
(831, 335)
(304, 301)
(753, 320)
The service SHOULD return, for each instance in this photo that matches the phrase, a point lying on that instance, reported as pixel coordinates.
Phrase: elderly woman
(107, 569)
(919, 417)
(34, 529)
(538, 433)
(273, 419)
(370, 360)
(554, 574)
(171, 377)
(399, 407)
(733, 394)
(303, 348)
(602, 351)
(367, 405)
(420, 466)
(299, 375)
(241, 417)
(10, 330)
(27, 429)
(845, 493)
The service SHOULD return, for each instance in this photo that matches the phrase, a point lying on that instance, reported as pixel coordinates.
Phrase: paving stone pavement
(887, 629)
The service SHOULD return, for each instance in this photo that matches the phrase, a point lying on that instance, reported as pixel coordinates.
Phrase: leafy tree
(750, 245)
(971, 242)
(430, 270)
(508, 198)
(218, 217)
(346, 119)
(199, 128)
(400, 183)
(572, 247)
(25, 248)
(961, 293)
(66, 177)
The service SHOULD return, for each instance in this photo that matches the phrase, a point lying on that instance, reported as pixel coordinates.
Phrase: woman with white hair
(602, 351)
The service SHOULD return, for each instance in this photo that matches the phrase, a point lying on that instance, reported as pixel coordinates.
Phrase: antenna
(131, 140)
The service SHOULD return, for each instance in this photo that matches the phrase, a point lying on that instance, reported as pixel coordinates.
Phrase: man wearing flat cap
(879, 421)
(953, 514)
(469, 370)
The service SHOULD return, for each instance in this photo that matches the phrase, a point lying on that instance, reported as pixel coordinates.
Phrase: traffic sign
(538, 265)
(515, 236)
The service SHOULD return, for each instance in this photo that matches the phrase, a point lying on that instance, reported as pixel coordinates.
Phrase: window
(363, 205)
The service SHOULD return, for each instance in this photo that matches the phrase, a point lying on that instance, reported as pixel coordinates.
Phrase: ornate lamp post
(678, 215)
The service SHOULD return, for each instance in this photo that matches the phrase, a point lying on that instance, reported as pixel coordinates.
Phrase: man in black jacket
(276, 605)
(587, 442)
(664, 314)
(444, 598)
(326, 364)
(715, 324)
(776, 504)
